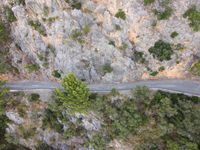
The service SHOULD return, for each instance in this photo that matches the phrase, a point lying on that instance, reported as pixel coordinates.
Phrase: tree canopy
(75, 96)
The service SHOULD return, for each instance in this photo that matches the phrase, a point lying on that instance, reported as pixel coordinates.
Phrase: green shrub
(154, 73)
(112, 43)
(97, 142)
(161, 50)
(32, 68)
(56, 74)
(148, 2)
(119, 121)
(22, 2)
(162, 68)
(118, 27)
(86, 29)
(174, 34)
(193, 16)
(44, 146)
(34, 97)
(52, 49)
(123, 47)
(4, 34)
(46, 10)
(5, 62)
(138, 57)
(75, 4)
(195, 69)
(107, 68)
(10, 17)
(77, 97)
(77, 35)
(164, 15)
(51, 120)
(27, 132)
(36, 25)
(120, 14)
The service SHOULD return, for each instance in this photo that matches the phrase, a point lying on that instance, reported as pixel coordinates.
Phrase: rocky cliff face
(53, 35)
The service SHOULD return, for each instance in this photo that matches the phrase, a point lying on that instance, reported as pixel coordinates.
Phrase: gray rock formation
(69, 47)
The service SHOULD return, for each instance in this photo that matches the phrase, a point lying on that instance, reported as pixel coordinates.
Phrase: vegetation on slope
(75, 96)
(193, 16)
(161, 50)
(4, 145)
(145, 120)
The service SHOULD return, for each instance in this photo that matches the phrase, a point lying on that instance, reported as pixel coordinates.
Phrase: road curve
(188, 87)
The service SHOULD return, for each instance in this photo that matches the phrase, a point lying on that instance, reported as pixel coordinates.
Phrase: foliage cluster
(36, 25)
(5, 64)
(34, 97)
(195, 69)
(75, 97)
(121, 14)
(32, 67)
(75, 4)
(161, 50)
(175, 119)
(138, 57)
(10, 17)
(56, 74)
(174, 34)
(4, 34)
(148, 2)
(164, 15)
(78, 35)
(165, 10)
(4, 145)
(107, 68)
(193, 16)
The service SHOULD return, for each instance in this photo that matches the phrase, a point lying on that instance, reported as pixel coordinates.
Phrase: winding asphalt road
(188, 87)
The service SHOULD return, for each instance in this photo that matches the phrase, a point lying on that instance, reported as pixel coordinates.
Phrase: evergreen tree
(75, 96)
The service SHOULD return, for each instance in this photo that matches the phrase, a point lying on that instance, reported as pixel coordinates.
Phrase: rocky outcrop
(83, 41)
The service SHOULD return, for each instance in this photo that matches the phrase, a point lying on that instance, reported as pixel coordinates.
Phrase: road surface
(188, 87)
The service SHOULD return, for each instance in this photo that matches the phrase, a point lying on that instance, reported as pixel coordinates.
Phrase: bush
(75, 97)
(22, 2)
(138, 57)
(46, 10)
(162, 68)
(77, 35)
(164, 15)
(148, 2)
(107, 68)
(123, 47)
(36, 25)
(44, 146)
(10, 17)
(56, 74)
(51, 120)
(161, 50)
(154, 73)
(118, 27)
(193, 16)
(4, 34)
(34, 97)
(86, 29)
(120, 14)
(75, 4)
(97, 142)
(32, 67)
(195, 69)
(174, 34)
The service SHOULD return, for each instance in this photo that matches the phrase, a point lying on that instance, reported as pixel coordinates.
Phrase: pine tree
(75, 96)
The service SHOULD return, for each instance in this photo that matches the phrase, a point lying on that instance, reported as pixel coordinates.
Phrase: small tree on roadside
(3, 118)
(75, 96)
